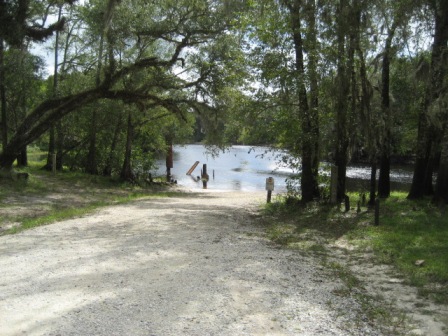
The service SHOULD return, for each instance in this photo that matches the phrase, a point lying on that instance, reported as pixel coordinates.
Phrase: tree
(308, 108)
(428, 131)
(158, 46)
(345, 31)
(399, 18)
(285, 64)
(14, 29)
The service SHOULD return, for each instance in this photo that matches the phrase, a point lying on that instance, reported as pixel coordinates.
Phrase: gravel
(187, 265)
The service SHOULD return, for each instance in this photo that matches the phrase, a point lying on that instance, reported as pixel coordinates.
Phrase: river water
(246, 168)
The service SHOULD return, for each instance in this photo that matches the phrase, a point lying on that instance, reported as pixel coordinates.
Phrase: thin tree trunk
(4, 121)
(384, 178)
(441, 189)
(341, 155)
(51, 149)
(22, 158)
(309, 119)
(92, 160)
(314, 131)
(372, 194)
(367, 124)
(59, 146)
(126, 171)
(52, 142)
(108, 167)
(91, 164)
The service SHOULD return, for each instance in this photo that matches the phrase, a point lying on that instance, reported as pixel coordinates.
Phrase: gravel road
(187, 265)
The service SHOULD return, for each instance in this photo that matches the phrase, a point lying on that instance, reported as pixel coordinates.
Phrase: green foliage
(407, 94)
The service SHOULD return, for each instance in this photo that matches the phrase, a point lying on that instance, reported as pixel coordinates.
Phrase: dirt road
(189, 265)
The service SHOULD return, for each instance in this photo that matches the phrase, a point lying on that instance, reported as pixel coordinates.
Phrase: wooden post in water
(193, 167)
(204, 176)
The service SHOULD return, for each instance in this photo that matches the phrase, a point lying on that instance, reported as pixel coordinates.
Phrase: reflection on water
(239, 168)
(246, 168)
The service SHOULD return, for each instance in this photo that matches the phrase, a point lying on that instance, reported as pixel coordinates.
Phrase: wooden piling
(204, 176)
(268, 200)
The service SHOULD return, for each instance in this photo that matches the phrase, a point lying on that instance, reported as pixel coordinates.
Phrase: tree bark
(441, 189)
(126, 171)
(384, 178)
(309, 116)
(108, 167)
(60, 136)
(52, 141)
(91, 160)
(22, 158)
(343, 87)
(427, 133)
(51, 149)
(367, 123)
(4, 121)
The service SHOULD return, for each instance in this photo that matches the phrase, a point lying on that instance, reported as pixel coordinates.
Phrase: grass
(46, 198)
(408, 231)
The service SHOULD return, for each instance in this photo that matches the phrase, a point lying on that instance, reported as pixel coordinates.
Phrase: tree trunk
(367, 124)
(422, 179)
(108, 167)
(126, 171)
(4, 121)
(59, 146)
(91, 163)
(309, 117)
(52, 142)
(22, 158)
(313, 119)
(372, 194)
(384, 178)
(343, 87)
(51, 149)
(441, 189)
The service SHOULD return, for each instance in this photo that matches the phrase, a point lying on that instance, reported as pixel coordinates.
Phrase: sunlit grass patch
(409, 231)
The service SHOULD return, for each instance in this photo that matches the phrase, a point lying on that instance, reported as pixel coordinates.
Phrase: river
(246, 168)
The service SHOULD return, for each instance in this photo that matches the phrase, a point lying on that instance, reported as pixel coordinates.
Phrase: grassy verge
(46, 198)
(409, 231)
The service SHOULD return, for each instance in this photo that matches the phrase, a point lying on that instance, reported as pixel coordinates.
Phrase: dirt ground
(197, 264)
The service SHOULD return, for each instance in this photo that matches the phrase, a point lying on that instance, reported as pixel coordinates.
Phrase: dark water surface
(246, 168)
